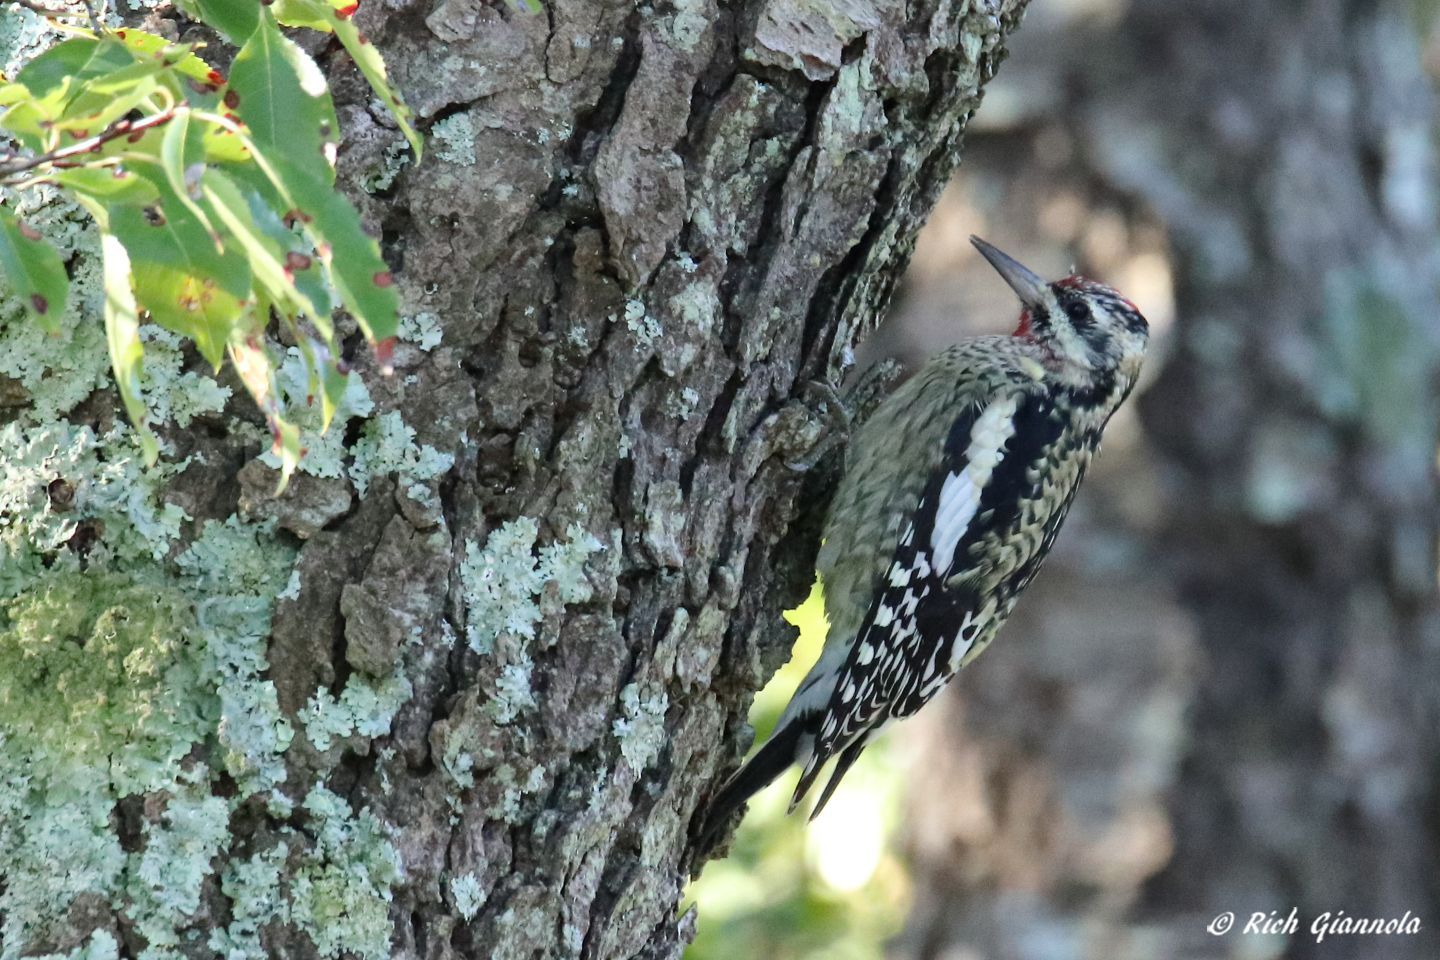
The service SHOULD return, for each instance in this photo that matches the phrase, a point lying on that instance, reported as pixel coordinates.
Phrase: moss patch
(96, 667)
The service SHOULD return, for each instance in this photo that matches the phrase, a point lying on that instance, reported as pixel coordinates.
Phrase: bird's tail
(779, 752)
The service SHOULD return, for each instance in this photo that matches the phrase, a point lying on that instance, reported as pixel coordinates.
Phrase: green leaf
(368, 59)
(325, 377)
(284, 100)
(356, 269)
(186, 284)
(148, 45)
(71, 63)
(122, 330)
(236, 19)
(257, 371)
(12, 93)
(333, 16)
(333, 386)
(223, 146)
(315, 14)
(309, 280)
(175, 148)
(190, 304)
(89, 115)
(112, 184)
(97, 207)
(166, 232)
(34, 269)
(107, 98)
(195, 82)
(54, 79)
(267, 259)
(31, 120)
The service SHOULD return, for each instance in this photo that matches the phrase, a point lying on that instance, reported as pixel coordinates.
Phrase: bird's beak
(1027, 286)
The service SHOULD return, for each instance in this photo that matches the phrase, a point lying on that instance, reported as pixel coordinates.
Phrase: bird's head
(1080, 323)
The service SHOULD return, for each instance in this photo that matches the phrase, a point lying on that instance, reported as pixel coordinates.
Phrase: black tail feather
(758, 773)
(842, 764)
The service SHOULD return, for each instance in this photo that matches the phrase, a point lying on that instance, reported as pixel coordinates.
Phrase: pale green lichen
(847, 114)
(509, 809)
(365, 707)
(106, 483)
(456, 139)
(469, 895)
(115, 678)
(102, 678)
(256, 899)
(341, 895)
(325, 450)
(325, 718)
(503, 582)
(682, 404)
(423, 329)
(645, 328)
(237, 569)
(234, 557)
(52, 849)
(395, 159)
(112, 682)
(697, 306)
(292, 588)
(513, 694)
(687, 27)
(165, 883)
(459, 763)
(99, 668)
(252, 731)
(102, 946)
(387, 445)
(23, 34)
(641, 731)
(169, 393)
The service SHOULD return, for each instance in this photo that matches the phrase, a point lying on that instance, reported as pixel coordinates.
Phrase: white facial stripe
(960, 493)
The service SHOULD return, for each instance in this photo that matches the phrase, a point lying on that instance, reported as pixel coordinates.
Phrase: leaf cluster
(214, 197)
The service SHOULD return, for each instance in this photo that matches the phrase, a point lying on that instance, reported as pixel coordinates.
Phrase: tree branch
(53, 14)
(9, 166)
(94, 18)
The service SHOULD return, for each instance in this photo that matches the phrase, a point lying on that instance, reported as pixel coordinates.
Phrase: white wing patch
(970, 628)
(960, 493)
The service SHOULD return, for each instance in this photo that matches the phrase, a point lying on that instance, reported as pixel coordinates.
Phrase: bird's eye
(1079, 312)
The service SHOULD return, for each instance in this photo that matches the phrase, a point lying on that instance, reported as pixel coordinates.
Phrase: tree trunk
(1125, 799)
(562, 537)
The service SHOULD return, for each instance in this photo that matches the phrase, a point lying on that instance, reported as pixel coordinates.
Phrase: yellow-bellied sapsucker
(953, 493)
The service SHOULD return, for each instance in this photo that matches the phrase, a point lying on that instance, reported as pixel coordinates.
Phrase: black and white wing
(974, 542)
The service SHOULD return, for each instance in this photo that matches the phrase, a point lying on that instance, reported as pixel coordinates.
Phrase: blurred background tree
(1221, 695)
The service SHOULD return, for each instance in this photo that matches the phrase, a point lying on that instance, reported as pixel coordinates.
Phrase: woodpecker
(953, 493)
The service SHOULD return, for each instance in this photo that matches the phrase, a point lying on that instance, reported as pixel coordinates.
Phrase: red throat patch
(1023, 330)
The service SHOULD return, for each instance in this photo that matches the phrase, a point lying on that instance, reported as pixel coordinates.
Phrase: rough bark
(1288, 149)
(637, 235)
